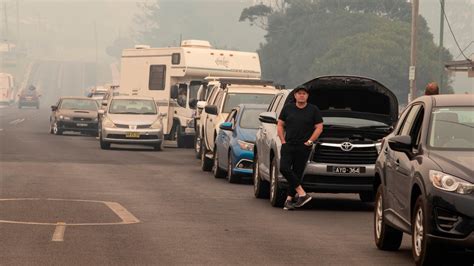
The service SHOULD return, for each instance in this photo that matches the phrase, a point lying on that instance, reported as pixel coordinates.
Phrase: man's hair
(432, 89)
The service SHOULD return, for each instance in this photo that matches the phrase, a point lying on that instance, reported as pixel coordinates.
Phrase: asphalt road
(64, 201)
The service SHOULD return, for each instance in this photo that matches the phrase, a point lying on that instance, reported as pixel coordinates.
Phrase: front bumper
(243, 162)
(80, 126)
(145, 136)
(453, 218)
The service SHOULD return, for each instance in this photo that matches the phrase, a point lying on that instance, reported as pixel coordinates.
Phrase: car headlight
(157, 125)
(106, 122)
(62, 117)
(245, 145)
(450, 183)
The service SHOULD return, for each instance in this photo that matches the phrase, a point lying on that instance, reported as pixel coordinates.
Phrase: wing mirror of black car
(401, 144)
(174, 92)
(268, 117)
(226, 126)
(54, 108)
(211, 109)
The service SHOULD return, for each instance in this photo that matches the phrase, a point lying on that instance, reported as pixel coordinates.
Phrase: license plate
(81, 125)
(134, 135)
(346, 170)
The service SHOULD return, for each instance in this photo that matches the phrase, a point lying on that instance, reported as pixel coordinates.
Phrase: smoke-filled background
(65, 47)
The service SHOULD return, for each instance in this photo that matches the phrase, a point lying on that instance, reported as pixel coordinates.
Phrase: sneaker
(302, 200)
(289, 205)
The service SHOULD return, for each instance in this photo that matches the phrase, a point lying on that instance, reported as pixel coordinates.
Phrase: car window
(249, 118)
(234, 99)
(231, 116)
(280, 105)
(415, 132)
(132, 106)
(275, 102)
(452, 128)
(410, 119)
(79, 104)
(218, 101)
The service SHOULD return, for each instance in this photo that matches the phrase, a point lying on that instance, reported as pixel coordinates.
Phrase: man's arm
(318, 129)
(281, 130)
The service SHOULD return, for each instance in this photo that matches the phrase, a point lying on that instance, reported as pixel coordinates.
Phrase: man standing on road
(299, 126)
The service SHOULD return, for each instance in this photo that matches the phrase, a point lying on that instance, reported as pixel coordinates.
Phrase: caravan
(173, 76)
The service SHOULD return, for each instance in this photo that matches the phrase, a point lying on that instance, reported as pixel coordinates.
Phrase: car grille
(82, 119)
(122, 136)
(138, 126)
(326, 154)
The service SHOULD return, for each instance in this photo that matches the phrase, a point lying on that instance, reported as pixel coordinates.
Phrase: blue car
(233, 156)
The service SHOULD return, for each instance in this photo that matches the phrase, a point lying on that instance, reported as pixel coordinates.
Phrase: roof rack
(225, 82)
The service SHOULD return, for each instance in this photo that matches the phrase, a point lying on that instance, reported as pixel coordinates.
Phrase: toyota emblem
(346, 146)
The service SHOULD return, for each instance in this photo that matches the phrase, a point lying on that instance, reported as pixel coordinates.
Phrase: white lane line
(58, 235)
(17, 121)
(1, 129)
(121, 212)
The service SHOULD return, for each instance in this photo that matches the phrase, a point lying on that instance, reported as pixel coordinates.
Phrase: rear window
(234, 99)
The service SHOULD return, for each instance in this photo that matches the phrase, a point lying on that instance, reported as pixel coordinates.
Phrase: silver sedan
(131, 120)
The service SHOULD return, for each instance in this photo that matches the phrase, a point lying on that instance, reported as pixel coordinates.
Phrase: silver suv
(358, 112)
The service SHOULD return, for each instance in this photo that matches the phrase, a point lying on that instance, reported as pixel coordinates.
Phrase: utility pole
(5, 26)
(17, 22)
(96, 51)
(441, 36)
(412, 72)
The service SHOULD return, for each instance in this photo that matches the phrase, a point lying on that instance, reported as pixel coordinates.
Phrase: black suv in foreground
(425, 174)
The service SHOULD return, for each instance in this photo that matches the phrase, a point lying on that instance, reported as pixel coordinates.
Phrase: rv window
(157, 77)
(175, 58)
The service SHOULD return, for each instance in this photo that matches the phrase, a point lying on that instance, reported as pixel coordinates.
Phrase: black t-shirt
(299, 123)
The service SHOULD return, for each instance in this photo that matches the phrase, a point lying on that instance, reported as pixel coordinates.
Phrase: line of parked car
(418, 167)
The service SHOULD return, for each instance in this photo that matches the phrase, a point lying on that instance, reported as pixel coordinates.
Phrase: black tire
(197, 145)
(277, 194)
(180, 139)
(429, 253)
(231, 177)
(206, 163)
(51, 128)
(385, 236)
(367, 196)
(216, 170)
(56, 129)
(104, 145)
(261, 188)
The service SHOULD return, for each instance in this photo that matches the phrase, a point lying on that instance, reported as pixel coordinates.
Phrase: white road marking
(58, 235)
(121, 212)
(17, 121)
(1, 129)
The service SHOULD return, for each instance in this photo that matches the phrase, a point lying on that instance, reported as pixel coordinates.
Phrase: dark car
(29, 97)
(425, 176)
(357, 111)
(77, 114)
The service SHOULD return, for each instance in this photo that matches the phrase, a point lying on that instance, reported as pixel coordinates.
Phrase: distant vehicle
(235, 140)
(29, 97)
(6, 88)
(425, 179)
(358, 112)
(173, 76)
(78, 114)
(131, 120)
(97, 93)
(226, 94)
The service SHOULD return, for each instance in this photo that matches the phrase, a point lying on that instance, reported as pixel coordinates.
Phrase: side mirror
(226, 126)
(174, 92)
(268, 117)
(211, 109)
(193, 103)
(201, 104)
(54, 108)
(401, 144)
(101, 112)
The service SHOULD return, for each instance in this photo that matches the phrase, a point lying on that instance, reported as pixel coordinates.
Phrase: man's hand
(308, 143)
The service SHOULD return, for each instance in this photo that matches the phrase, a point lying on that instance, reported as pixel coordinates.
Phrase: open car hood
(352, 96)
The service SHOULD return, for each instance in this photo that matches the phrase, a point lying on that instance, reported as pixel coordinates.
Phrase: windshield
(452, 128)
(234, 99)
(249, 118)
(352, 122)
(193, 91)
(79, 104)
(132, 106)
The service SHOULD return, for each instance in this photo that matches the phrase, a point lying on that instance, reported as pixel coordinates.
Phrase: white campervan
(6, 88)
(173, 76)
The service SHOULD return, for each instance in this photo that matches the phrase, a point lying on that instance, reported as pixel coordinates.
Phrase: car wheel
(367, 196)
(51, 128)
(277, 194)
(104, 145)
(197, 146)
(386, 237)
(261, 188)
(424, 252)
(56, 129)
(206, 163)
(231, 177)
(216, 170)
